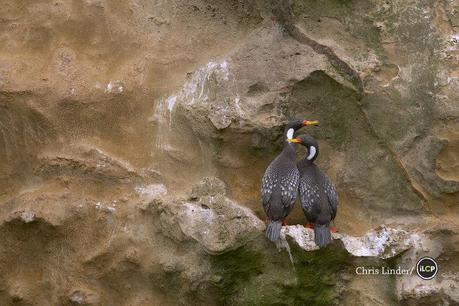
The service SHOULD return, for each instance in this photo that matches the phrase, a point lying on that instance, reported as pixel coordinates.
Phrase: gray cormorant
(318, 196)
(280, 182)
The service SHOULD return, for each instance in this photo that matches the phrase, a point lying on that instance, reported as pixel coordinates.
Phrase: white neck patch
(290, 133)
(312, 152)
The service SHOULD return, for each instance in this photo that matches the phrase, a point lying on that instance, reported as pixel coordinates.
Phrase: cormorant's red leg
(284, 222)
(309, 225)
(333, 229)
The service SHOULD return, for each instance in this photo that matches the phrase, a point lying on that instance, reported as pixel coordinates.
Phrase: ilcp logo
(426, 268)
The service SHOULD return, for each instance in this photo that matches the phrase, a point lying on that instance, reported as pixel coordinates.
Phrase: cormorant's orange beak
(307, 122)
(294, 140)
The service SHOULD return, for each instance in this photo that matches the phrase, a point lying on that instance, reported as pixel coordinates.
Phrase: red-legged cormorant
(318, 196)
(280, 182)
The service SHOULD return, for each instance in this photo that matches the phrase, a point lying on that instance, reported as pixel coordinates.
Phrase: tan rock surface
(110, 111)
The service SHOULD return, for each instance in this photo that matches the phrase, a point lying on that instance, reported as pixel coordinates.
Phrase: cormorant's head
(297, 124)
(310, 143)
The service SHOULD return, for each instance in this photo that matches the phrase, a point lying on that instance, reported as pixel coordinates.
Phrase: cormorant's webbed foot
(309, 225)
(284, 222)
(333, 229)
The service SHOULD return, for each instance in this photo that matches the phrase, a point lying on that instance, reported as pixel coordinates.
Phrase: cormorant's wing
(309, 197)
(268, 184)
(289, 187)
(332, 196)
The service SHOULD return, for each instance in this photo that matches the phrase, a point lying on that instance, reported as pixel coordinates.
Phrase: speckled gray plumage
(279, 188)
(318, 196)
(332, 195)
(280, 185)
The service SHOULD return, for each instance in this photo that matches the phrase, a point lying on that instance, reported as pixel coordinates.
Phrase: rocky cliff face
(110, 111)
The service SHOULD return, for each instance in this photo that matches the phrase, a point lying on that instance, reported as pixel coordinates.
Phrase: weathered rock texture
(110, 111)
(154, 249)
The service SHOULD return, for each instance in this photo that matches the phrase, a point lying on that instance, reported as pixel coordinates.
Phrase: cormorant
(318, 196)
(280, 182)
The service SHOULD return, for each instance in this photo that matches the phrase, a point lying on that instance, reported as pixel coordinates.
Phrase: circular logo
(426, 268)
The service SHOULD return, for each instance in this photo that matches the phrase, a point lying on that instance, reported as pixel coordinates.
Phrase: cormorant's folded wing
(332, 196)
(289, 187)
(268, 184)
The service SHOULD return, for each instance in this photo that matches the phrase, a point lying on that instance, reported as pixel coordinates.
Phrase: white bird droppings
(151, 191)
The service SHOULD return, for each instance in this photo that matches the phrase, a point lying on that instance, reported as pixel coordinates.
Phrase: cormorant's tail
(322, 234)
(273, 230)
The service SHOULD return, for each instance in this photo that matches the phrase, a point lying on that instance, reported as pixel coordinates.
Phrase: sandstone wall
(107, 105)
